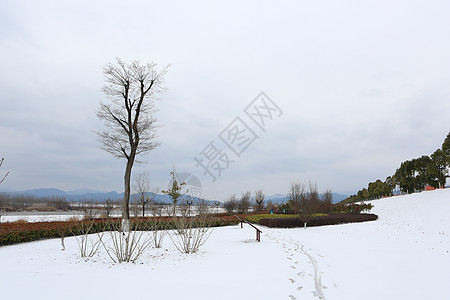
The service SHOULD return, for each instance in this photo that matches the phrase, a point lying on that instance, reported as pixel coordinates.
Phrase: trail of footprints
(299, 276)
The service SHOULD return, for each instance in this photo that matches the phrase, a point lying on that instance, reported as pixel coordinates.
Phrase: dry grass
(74, 219)
(20, 221)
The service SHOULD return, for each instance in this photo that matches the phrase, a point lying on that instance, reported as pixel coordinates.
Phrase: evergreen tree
(440, 163)
(404, 176)
(422, 176)
(175, 190)
(446, 149)
(446, 145)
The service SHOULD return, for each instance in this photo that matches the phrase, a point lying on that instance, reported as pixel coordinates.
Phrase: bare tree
(259, 198)
(108, 207)
(270, 205)
(231, 204)
(135, 206)
(304, 200)
(296, 194)
(326, 203)
(327, 197)
(244, 204)
(129, 116)
(142, 187)
(1, 163)
(89, 210)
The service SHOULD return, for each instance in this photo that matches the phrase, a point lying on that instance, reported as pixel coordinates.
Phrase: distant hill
(81, 195)
(83, 191)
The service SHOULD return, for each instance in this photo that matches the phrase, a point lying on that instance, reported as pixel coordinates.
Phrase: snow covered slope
(403, 255)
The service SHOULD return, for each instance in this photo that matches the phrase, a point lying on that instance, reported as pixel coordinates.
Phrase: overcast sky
(360, 86)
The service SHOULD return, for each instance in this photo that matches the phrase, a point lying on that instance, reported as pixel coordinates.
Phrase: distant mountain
(339, 197)
(81, 195)
(70, 196)
(44, 192)
(83, 192)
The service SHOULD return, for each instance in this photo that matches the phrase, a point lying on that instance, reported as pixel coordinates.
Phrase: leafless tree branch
(1, 163)
(129, 117)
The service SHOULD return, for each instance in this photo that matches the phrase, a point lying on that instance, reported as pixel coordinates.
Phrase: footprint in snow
(293, 267)
(299, 288)
(291, 280)
(292, 297)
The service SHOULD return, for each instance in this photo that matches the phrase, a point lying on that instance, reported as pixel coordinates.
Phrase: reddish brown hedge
(331, 219)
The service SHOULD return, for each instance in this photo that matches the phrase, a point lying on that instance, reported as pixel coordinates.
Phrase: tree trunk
(126, 197)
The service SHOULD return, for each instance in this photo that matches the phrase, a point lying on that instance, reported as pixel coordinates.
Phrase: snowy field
(33, 216)
(403, 255)
(41, 216)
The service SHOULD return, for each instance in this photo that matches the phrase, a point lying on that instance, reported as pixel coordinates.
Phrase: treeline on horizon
(18, 202)
(412, 175)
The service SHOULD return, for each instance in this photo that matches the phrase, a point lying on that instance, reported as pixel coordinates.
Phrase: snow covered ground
(403, 255)
(34, 216)
(41, 216)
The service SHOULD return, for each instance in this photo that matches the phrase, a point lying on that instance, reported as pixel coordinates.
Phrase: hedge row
(331, 219)
(15, 233)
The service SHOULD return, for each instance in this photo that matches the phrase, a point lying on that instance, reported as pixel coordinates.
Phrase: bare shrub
(158, 226)
(88, 244)
(125, 246)
(192, 232)
(204, 219)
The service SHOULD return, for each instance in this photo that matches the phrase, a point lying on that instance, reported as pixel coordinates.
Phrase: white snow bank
(403, 255)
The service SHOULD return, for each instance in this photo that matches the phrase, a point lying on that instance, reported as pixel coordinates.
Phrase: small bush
(332, 219)
(352, 208)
